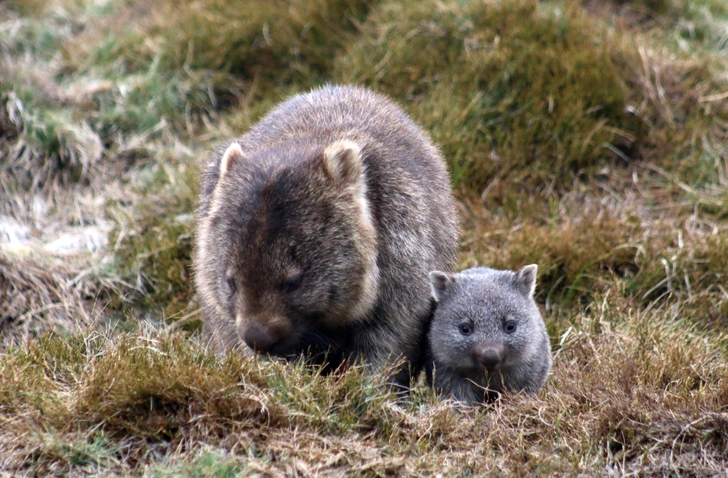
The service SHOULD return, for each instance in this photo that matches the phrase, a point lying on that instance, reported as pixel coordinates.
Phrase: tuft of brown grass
(581, 249)
(279, 42)
(629, 391)
(37, 296)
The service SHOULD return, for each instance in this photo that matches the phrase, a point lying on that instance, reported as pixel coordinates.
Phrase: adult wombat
(486, 334)
(316, 231)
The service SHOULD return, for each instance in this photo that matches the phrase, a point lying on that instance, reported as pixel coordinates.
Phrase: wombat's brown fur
(317, 229)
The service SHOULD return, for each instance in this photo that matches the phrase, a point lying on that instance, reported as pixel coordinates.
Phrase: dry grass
(40, 295)
(588, 137)
(629, 392)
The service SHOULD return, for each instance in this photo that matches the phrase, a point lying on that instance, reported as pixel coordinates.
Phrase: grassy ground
(588, 137)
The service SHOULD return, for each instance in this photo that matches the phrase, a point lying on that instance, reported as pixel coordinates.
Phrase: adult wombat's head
(485, 320)
(288, 248)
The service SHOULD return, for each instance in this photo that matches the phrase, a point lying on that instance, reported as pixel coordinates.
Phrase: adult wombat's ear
(440, 284)
(525, 279)
(342, 161)
(233, 154)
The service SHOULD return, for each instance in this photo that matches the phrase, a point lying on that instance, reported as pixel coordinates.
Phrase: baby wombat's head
(287, 251)
(487, 332)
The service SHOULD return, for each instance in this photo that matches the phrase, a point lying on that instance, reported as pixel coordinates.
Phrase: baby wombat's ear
(525, 279)
(233, 154)
(440, 284)
(342, 162)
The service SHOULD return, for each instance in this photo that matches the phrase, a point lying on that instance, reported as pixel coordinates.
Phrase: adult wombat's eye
(465, 329)
(232, 288)
(292, 284)
(509, 326)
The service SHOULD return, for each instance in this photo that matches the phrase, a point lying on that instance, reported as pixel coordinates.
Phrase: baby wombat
(316, 231)
(486, 334)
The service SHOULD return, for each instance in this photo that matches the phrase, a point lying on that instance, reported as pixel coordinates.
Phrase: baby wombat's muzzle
(489, 356)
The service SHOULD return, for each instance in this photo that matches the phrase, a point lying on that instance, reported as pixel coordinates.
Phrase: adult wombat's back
(407, 191)
(410, 196)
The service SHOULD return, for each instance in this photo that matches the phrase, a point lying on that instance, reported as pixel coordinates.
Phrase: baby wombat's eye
(465, 329)
(509, 326)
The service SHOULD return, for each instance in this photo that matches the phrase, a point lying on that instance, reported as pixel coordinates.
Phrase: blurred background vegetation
(590, 137)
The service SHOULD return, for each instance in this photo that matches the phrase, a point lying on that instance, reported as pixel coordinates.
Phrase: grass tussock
(621, 384)
(577, 257)
(533, 92)
(44, 143)
(585, 250)
(41, 296)
(280, 42)
(526, 86)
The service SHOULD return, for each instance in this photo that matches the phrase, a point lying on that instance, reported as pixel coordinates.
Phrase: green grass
(243, 39)
(205, 465)
(154, 243)
(524, 91)
(507, 88)
(587, 137)
(114, 399)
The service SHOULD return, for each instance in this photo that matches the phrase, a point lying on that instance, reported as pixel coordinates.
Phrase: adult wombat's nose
(489, 356)
(260, 339)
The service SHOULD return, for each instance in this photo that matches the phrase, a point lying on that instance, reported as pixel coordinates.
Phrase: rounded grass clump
(584, 253)
(693, 275)
(517, 89)
(150, 386)
(51, 149)
(280, 41)
(622, 381)
(576, 257)
(43, 141)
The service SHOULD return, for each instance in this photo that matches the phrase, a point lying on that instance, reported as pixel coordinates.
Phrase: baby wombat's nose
(260, 339)
(490, 356)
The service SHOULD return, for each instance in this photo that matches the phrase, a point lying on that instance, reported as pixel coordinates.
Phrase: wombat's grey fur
(486, 334)
(316, 231)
